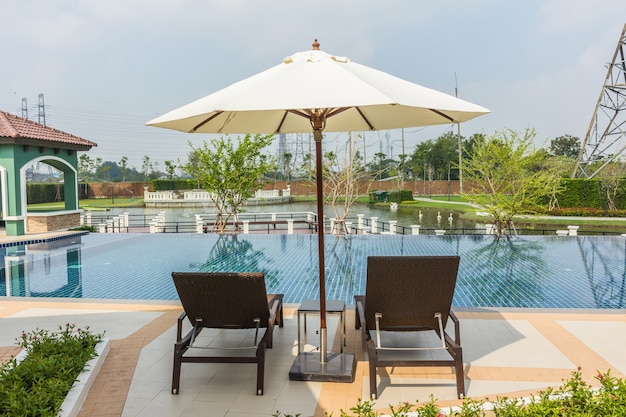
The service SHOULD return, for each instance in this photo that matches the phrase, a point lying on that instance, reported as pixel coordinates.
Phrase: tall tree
(170, 169)
(123, 165)
(502, 177)
(432, 158)
(611, 180)
(230, 172)
(146, 167)
(566, 145)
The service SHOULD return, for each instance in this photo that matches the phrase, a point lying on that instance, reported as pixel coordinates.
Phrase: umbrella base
(339, 367)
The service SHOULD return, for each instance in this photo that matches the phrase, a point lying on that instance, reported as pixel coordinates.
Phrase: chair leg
(372, 359)
(460, 373)
(178, 353)
(260, 369)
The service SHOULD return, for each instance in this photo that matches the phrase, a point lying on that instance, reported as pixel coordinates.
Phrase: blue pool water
(523, 271)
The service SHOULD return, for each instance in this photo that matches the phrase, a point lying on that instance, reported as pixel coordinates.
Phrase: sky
(107, 67)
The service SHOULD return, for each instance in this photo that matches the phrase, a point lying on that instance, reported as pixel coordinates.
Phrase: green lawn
(103, 203)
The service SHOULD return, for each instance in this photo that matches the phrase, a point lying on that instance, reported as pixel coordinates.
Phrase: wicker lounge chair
(409, 294)
(226, 300)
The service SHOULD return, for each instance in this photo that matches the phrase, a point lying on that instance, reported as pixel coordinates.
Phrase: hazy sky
(107, 67)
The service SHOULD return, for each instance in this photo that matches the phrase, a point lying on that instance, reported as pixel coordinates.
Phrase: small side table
(313, 307)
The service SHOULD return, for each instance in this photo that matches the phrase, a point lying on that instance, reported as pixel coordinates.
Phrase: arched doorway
(22, 143)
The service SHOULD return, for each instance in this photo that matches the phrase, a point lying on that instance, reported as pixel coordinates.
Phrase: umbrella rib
(205, 121)
(442, 115)
(282, 120)
(363, 116)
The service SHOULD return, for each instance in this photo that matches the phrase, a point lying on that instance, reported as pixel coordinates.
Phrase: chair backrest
(227, 300)
(409, 290)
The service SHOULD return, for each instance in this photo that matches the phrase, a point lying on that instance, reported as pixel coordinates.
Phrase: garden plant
(574, 398)
(38, 385)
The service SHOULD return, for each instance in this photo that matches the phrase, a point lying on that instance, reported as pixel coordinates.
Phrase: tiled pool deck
(507, 352)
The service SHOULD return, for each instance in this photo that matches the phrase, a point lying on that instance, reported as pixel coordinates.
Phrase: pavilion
(23, 143)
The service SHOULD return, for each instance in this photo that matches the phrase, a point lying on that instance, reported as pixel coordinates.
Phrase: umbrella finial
(316, 45)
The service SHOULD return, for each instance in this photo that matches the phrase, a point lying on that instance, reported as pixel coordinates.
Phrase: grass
(91, 203)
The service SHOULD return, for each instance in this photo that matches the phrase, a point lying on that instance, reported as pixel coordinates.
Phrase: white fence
(202, 195)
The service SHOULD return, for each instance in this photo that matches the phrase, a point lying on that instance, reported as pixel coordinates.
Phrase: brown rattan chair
(228, 300)
(409, 294)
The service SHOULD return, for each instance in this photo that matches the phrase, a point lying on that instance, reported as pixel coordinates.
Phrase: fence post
(290, 226)
(246, 226)
(392, 226)
(360, 221)
(374, 225)
(415, 229)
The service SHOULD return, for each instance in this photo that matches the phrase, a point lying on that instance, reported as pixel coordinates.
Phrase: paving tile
(508, 352)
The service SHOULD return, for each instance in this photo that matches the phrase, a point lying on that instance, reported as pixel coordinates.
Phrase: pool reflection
(518, 271)
(59, 260)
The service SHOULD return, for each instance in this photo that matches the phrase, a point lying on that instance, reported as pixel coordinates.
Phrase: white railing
(196, 195)
(158, 195)
(266, 194)
(202, 195)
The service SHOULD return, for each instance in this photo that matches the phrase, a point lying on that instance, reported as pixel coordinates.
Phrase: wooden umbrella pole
(317, 135)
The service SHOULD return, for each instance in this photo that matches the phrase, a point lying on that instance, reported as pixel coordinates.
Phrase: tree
(287, 157)
(432, 158)
(170, 169)
(566, 145)
(342, 173)
(502, 177)
(230, 172)
(123, 165)
(85, 168)
(611, 178)
(146, 167)
(108, 171)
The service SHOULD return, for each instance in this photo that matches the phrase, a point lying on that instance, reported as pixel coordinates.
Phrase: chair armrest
(457, 327)
(179, 327)
(358, 299)
(274, 310)
(361, 314)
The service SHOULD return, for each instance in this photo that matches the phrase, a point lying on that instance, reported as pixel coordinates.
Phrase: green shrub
(38, 385)
(575, 398)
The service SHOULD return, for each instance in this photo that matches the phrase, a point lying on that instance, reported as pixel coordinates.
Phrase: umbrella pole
(336, 367)
(317, 136)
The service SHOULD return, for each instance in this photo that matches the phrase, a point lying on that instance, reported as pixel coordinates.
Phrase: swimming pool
(522, 271)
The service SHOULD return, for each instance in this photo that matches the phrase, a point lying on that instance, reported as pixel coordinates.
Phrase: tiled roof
(15, 127)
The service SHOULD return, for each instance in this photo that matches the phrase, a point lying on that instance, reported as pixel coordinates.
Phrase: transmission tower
(606, 136)
(42, 110)
(282, 149)
(24, 108)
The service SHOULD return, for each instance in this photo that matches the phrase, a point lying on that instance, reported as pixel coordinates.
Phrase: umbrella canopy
(316, 91)
(348, 96)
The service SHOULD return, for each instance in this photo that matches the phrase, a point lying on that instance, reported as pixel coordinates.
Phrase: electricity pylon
(606, 136)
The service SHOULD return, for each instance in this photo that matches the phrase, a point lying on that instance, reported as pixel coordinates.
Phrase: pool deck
(507, 352)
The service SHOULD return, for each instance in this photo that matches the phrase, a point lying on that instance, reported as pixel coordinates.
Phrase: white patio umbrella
(316, 91)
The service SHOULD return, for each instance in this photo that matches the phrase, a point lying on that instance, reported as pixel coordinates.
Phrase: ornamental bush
(575, 398)
(38, 385)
